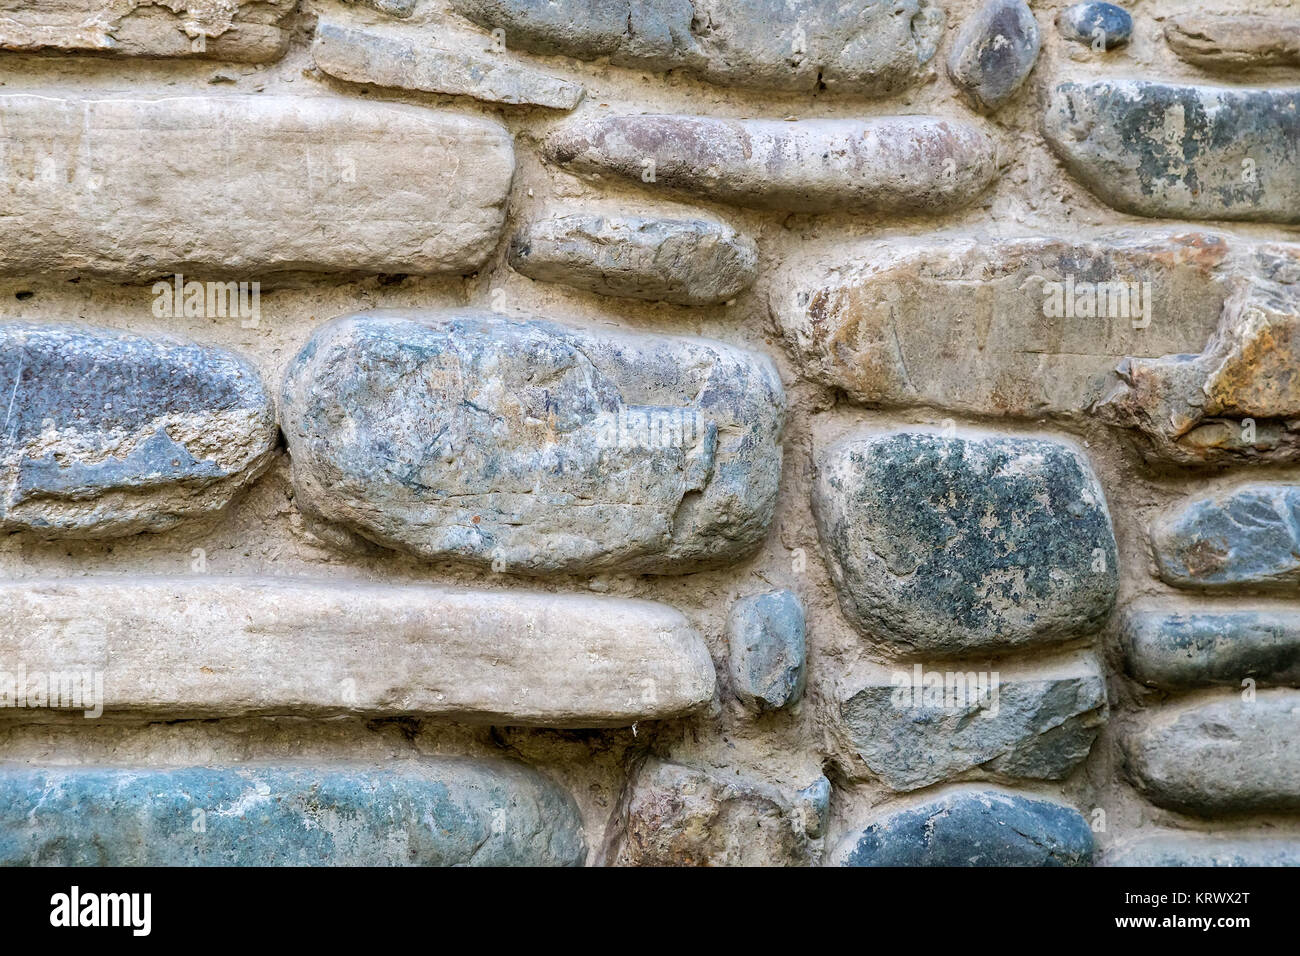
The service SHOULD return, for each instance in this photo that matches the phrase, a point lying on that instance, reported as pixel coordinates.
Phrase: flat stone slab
(683, 261)
(118, 188)
(242, 31)
(994, 53)
(970, 542)
(434, 812)
(674, 815)
(1036, 324)
(1234, 43)
(1032, 724)
(875, 49)
(1247, 537)
(1172, 650)
(972, 828)
(1194, 850)
(898, 164)
(533, 447)
(766, 638)
(1228, 756)
(223, 647)
(1181, 152)
(109, 434)
(415, 61)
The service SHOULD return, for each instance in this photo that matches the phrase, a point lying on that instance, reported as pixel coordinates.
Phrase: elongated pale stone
(871, 48)
(893, 164)
(412, 61)
(685, 261)
(1227, 756)
(443, 811)
(1036, 324)
(249, 31)
(109, 434)
(208, 647)
(532, 447)
(246, 186)
(1181, 152)
(1233, 43)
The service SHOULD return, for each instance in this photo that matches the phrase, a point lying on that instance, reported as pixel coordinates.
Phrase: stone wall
(594, 432)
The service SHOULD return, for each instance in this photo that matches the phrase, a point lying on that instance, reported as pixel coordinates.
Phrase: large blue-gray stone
(765, 634)
(972, 828)
(1245, 538)
(437, 812)
(875, 48)
(528, 446)
(952, 544)
(1186, 849)
(1200, 649)
(994, 53)
(1092, 23)
(1181, 152)
(107, 433)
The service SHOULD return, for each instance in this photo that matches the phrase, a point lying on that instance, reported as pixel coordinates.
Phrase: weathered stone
(394, 8)
(1234, 43)
(1181, 152)
(994, 53)
(414, 62)
(1033, 724)
(433, 812)
(243, 31)
(1228, 756)
(673, 815)
(950, 545)
(110, 434)
(1201, 649)
(132, 188)
(224, 647)
(893, 164)
(534, 447)
(684, 261)
(874, 48)
(972, 828)
(1239, 399)
(1189, 850)
(1245, 538)
(765, 634)
(1097, 24)
(1036, 325)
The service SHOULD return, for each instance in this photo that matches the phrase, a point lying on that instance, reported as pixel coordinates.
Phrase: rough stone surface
(966, 543)
(1038, 725)
(177, 647)
(1199, 649)
(1188, 850)
(870, 48)
(765, 634)
(1247, 537)
(972, 828)
(412, 62)
(1238, 400)
(1096, 23)
(394, 8)
(435, 812)
(1234, 43)
(900, 164)
(994, 53)
(1181, 152)
(534, 447)
(889, 321)
(1224, 757)
(300, 185)
(683, 261)
(110, 434)
(247, 31)
(674, 815)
